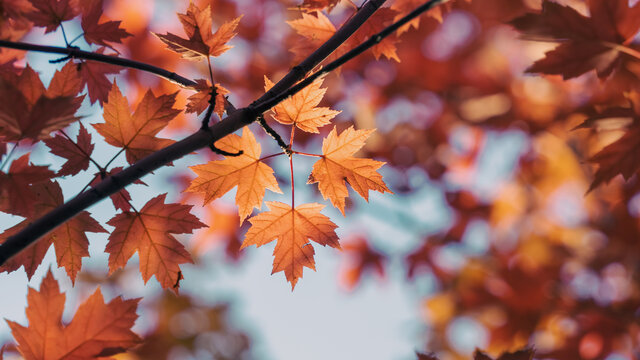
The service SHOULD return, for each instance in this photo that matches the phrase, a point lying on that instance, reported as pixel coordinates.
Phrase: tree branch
(109, 59)
(267, 104)
(235, 121)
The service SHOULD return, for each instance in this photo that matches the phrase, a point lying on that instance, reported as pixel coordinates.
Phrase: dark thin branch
(269, 130)
(298, 72)
(116, 182)
(235, 121)
(267, 104)
(109, 59)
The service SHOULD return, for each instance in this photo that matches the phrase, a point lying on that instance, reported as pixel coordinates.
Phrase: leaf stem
(293, 185)
(270, 156)
(100, 168)
(623, 49)
(305, 154)
(64, 35)
(6, 159)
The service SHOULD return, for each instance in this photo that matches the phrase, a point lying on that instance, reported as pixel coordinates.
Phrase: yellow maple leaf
(201, 42)
(247, 172)
(292, 227)
(337, 165)
(301, 109)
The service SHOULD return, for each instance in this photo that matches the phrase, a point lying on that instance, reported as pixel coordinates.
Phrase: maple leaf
(93, 75)
(247, 172)
(69, 239)
(619, 157)
(148, 232)
(97, 329)
(361, 258)
(293, 228)
(315, 5)
(100, 34)
(300, 109)
(65, 82)
(315, 30)
(337, 165)
(33, 112)
(137, 132)
(122, 198)
(587, 43)
(378, 21)
(16, 196)
(199, 101)
(201, 42)
(77, 153)
(51, 13)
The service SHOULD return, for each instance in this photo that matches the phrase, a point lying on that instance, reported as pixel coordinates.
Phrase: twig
(235, 121)
(109, 59)
(269, 130)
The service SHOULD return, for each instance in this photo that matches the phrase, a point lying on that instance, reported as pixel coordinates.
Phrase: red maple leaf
(586, 43)
(76, 152)
(69, 239)
(94, 75)
(51, 13)
(99, 33)
(31, 111)
(16, 195)
(148, 232)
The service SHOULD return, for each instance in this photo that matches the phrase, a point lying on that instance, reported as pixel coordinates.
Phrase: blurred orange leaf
(97, 329)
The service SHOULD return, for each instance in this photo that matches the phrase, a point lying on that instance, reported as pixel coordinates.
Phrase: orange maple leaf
(586, 43)
(199, 101)
(247, 172)
(148, 232)
(315, 5)
(201, 42)
(292, 228)
(30, 110)
(300, 109)
(69, 239)
(97, 329)
(315, 30)
(137, 133)
(337, 165)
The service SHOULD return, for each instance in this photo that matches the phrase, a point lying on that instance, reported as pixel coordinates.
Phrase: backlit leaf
(292, 228)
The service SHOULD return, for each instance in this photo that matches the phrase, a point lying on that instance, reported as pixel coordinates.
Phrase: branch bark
(235, 121)
(109, 59)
